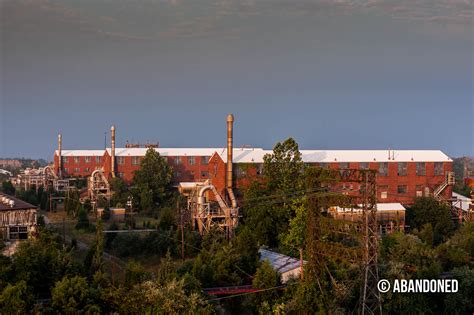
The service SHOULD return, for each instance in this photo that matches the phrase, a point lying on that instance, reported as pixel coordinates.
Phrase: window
(77, 170)
(87, 169)
(438, 168)
(205, 174)
(66, 170)
(383, 191)
(402, 189)
(87, 159)
(120, 175)
(120, 160)
(205, 160)
(419, 190)
(18, 232)
(177, 160)
(259, 168)
(364, 165)
(98, 159)
(77, 159)
(402, 168)
(383, 169)
(343, 166)
(64, 159)
(177, 174)
(240, 172)
(324, 165)
(135, 160)
(191, 160)
(420, 169)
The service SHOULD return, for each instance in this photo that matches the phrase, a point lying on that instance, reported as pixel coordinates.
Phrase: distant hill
(16, 163)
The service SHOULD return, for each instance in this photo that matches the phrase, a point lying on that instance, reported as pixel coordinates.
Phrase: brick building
(402, 174)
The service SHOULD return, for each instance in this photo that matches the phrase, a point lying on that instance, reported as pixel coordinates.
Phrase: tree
(283, 169)
(428, 210)
(82, 219)
(72, 295)
(283, 184)
(8, 188)
(266, 278)
(153, 177)
(120, 191)
(16, 299)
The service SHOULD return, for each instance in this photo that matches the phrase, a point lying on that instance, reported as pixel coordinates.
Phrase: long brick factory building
(402, 175)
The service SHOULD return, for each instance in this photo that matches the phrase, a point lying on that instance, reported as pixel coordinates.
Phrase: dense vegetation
(149, 273)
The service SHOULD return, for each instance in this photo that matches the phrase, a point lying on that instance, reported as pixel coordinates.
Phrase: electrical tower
(323, 192)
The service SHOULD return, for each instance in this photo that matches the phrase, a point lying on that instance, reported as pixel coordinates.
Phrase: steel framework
(365, 234)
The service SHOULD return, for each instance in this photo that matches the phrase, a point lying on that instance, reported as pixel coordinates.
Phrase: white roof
(389, 206)
(81, 152)
(463, 201)
(255, 155)
(244, 155)
(327, 156)
(279, 262)
(165, 151)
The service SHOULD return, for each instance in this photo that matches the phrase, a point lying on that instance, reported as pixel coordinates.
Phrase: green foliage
(8, 188)
(428, 210)
(283, 184)
(266, 278)
(155, 244)
(82, 220)
(16, 299)
(72, 295)
(41, 262)
(461, 302)
(167, 218)
(153, 180)
(283, 169)
(106, 214)
(170, 298)
(459, 249)
(119, 190)
(135, 274)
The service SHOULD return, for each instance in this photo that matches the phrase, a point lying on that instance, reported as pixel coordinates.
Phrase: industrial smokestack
(60, 158)
(230, 141)
(112, 151)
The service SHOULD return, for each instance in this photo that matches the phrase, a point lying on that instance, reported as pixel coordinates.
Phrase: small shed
(287, 266)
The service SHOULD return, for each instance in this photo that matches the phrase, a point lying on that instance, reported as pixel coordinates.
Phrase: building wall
(389, 188)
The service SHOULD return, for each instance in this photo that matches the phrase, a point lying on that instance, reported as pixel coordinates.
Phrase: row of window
(402, 168)
(77, 159)
(204, 174)
(403, 189)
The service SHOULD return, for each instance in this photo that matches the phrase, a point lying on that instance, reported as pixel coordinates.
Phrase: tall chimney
(60, 159)
(112, 151)
(230, 140)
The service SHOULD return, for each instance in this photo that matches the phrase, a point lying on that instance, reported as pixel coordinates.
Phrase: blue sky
(343, 74)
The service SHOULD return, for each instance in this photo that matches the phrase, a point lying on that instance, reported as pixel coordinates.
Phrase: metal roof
(18, 204)
(279, 262)
(81, 152)
(328, 156)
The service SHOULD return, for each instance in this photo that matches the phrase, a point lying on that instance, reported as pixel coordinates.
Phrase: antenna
(105, 140)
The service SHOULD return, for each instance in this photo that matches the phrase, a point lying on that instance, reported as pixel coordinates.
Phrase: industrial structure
(17, 218)
(402, 175)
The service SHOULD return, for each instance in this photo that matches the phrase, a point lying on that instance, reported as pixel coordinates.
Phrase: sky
(333, 74)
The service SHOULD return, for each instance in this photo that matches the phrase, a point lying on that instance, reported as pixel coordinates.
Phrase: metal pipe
(230, 138)
(60, 159)
(112, 151)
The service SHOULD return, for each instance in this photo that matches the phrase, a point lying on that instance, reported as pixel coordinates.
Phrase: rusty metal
(60, 159)
(112, 151)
